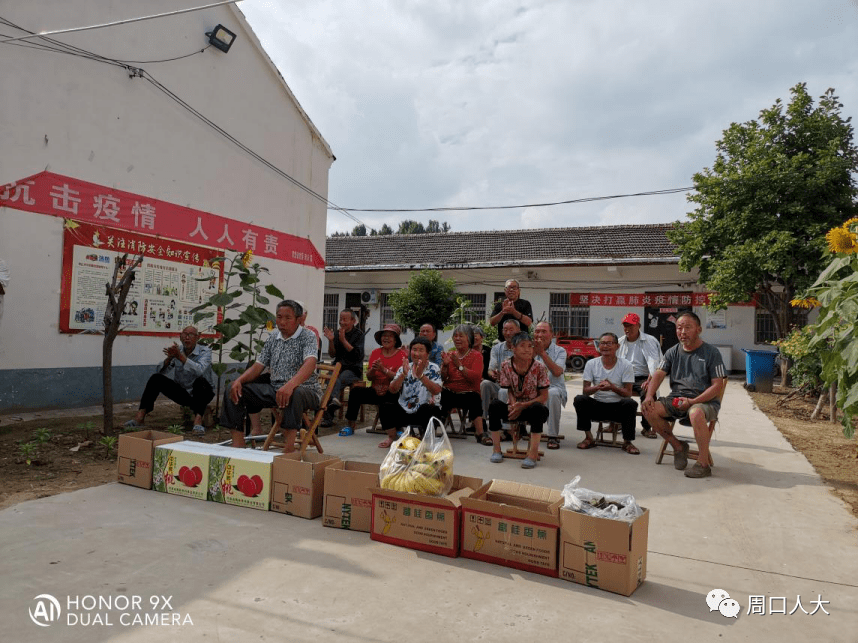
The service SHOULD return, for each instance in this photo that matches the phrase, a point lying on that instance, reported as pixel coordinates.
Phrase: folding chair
(327, 375)
(514, 452)
(450, 428)
(345, 398)
(693, 454)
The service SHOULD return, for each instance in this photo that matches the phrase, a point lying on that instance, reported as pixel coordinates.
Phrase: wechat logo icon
(720, 600)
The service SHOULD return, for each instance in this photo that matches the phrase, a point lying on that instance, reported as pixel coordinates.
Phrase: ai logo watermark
(46, 611)
(720, 600)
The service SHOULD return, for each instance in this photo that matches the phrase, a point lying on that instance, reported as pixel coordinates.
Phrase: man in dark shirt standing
(346, 347)
(513, 307)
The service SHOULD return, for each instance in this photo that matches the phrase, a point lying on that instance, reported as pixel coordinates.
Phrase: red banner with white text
(653, 299)
(70, 198)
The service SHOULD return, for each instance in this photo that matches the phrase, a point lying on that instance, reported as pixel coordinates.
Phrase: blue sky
(496, 102)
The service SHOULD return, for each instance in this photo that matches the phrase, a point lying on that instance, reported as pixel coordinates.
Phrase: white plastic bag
(419, 466)
(593, 503)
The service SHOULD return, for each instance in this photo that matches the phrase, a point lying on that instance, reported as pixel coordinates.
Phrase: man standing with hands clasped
(513, 307)
(644, 352)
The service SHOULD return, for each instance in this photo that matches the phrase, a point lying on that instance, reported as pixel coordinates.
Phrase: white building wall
(93, 122)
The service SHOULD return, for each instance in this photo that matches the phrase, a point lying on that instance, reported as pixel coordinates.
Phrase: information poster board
(173, 279)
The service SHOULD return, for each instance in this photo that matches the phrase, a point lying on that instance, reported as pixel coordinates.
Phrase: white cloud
(500, 102)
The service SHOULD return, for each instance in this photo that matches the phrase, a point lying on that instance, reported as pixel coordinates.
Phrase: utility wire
(526, 205)
(60, 47)
(118, 22)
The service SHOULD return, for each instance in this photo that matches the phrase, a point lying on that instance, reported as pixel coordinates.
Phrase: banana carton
(417, 521)
(512, 524)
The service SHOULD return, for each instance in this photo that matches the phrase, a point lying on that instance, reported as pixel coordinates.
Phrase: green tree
(385, 230)
(409, 226)
(359, 230)
(428, 297)
(777, 185)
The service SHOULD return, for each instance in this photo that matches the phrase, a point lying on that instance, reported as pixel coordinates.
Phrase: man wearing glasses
(607, 395)
(513, 307)
(185, 376)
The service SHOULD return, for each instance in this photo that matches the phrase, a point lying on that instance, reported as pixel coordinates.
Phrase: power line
(118, 22)
(526, 205)
(59, 47)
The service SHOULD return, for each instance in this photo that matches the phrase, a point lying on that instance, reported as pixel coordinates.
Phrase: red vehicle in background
(578, 350)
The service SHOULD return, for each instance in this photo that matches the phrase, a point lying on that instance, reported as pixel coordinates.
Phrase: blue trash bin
(760, 370)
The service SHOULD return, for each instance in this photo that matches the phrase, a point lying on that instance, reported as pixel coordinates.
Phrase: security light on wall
(221, 37)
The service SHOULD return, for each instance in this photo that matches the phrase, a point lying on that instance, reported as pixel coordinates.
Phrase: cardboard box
(421, 522)
(172, 461)
(137, 455)
(512, 524)
(240, 477)
(298, 486)
(348, 495)
(603, 553)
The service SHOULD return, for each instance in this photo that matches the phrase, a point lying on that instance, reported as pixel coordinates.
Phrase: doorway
(660, 322)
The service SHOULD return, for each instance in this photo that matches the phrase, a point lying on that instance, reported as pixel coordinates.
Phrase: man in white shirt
(490, 390)
(607, 394)
(546, 350)
(644, 352)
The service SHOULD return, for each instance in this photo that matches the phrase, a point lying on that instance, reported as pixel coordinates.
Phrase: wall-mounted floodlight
(221, 37)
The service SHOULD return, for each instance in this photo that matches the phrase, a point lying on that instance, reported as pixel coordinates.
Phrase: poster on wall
(173, 279)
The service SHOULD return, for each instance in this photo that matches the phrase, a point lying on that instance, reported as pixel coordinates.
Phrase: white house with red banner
(583, 280)
(176, 138)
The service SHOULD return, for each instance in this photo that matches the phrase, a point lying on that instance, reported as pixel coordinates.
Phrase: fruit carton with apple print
(241, 477)
(181, 469)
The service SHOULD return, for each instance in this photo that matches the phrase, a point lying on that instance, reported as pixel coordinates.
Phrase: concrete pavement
(763, 525)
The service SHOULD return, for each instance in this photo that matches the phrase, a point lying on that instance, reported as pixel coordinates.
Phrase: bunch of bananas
(430, 474)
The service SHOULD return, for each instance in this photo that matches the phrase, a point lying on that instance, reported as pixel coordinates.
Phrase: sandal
(385, 444)
(346, 431)
(649, 434)
(587, 443)
(553, 443)
(631, 449)
(484, 438)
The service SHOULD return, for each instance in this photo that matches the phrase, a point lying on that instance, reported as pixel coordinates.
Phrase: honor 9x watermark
(120, 610)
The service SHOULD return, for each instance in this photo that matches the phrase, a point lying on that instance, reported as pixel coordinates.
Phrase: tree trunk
(832, 403)
(112, 320)
(823, 397)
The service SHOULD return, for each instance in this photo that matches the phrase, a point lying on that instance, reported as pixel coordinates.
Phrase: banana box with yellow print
(512, 524)
(418, 521)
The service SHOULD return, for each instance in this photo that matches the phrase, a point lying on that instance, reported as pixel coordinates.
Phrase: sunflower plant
(836, 293)
(240, 323)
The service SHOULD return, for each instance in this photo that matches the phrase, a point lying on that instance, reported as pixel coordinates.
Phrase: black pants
(393, 416)
(358, 396)
(469, 402)
(590, 410)
(637, 387)
(199, 397)
(536, 415)
(256, 396)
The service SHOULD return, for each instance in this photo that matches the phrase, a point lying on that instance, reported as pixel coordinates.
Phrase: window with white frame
(567, 319)
(386, 310)
(331, 310)
(476, 310)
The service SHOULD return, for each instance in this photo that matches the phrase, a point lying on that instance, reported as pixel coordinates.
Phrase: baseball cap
(631, 318)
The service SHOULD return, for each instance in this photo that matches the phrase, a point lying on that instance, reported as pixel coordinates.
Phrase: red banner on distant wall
(652, 299)
(63, 196)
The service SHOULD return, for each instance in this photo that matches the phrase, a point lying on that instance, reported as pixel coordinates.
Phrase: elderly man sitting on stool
(607, 395)
(697, 376)
(290, 355)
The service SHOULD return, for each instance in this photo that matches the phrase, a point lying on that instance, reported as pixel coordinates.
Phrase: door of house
(353, 301)
(660, 322)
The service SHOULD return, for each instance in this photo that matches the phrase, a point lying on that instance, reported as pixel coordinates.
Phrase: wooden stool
(448, 424)
(514, 452)
(613, 429)
(345, 398)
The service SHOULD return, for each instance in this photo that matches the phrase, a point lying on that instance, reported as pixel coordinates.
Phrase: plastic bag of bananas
(419, 466)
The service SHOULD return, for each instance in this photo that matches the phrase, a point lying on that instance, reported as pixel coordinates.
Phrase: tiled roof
(547, 246)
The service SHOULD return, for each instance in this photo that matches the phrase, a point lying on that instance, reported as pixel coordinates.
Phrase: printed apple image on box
(181, 469)
(241, 477)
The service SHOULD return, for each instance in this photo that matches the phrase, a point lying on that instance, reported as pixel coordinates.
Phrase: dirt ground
(54, 452)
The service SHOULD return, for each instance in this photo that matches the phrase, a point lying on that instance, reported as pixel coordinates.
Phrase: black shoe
(326, 423)
(334, 403)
